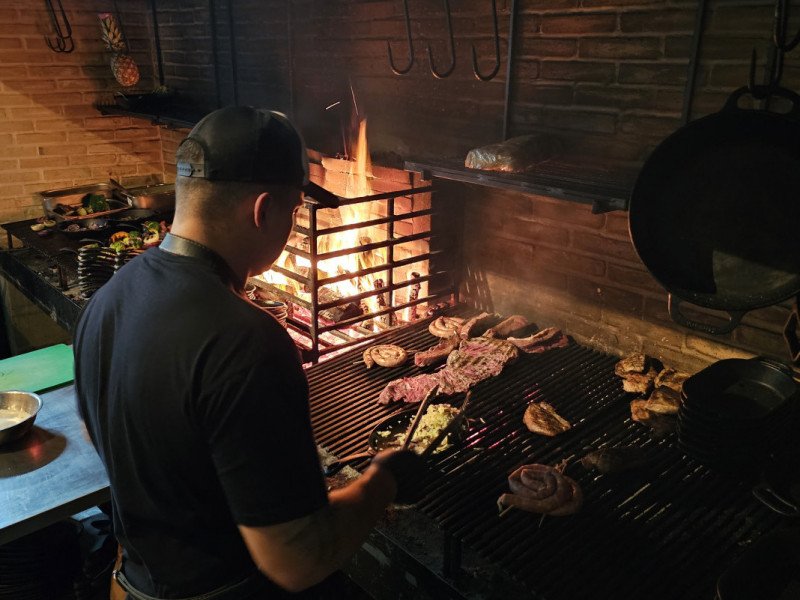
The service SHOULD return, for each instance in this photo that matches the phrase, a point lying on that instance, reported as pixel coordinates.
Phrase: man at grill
(197, 401)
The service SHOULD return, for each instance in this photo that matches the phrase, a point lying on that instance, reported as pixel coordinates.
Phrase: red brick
(659, 73)
(547, 47)
(613, 48)
(563, 261)
(579, 23)
(565, 214)
(15, 126)
(633, 277)
(604, 246)
(42, 162)
(17, 176)
(658, 20)
(577, 71)
(607, 296)
(62, 150)
(614, 97)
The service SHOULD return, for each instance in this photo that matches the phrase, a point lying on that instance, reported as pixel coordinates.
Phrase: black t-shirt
(198, 405)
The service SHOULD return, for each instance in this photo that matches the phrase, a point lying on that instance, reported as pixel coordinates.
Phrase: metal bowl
(18, 411)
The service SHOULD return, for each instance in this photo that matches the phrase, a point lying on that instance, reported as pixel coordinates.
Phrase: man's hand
(408, 469)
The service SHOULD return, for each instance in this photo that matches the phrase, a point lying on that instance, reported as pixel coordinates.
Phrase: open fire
(349, 274)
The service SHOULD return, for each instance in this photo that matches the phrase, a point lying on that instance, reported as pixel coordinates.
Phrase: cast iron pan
(740, 388)
(395, 425)
(714, 212)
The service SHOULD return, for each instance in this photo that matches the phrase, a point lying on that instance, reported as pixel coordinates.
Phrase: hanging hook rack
(407, 68)
(63, 42)
(496, 68)
(452, 66)
(781, 46)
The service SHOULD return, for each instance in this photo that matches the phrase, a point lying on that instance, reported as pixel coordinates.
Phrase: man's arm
(303, 552)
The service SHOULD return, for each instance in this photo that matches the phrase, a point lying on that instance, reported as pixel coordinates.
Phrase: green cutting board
(37, 370)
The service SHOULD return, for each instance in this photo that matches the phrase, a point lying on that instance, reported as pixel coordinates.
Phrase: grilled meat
(639, 383)
(512, 325)
(660, 423)
(616, 459)
(633, 363)
(438, 353)
(671, 378)
(541, 417)
(386, 355)
(542, 489)
(477, 325)
(445, 326)
(664, 400)
(546, 339)
(475, 359)
(409, 389)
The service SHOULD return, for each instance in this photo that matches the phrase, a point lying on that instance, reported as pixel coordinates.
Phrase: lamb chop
(512, 325)
(477, 325)
(546, 339)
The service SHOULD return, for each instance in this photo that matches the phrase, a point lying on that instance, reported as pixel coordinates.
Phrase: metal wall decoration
(496, 68)
(63, 32)
(451, 68)
(441, 74)
(396, 70)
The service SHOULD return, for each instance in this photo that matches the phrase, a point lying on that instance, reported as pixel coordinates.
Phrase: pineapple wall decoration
(122, 64)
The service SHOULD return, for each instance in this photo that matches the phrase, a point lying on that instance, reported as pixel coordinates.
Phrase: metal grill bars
(314, 283)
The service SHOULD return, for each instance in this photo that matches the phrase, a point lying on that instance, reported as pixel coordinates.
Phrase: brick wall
(606, 76)
(51, 136)
(563, 266)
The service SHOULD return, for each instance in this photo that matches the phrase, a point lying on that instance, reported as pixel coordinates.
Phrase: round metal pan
(714, 213)
(385, 436)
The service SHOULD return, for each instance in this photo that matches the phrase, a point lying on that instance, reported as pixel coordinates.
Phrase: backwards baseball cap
(241, 143)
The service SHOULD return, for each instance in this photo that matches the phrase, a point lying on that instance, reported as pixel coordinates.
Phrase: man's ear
(260, 207)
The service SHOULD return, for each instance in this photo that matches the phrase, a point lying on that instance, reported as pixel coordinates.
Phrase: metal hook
(780, 48)
(496, 51)
(779, 30)
(452, 66)
(63, 43)
(407, 68)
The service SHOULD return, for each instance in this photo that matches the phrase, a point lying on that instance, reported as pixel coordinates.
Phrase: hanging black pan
(715, 211)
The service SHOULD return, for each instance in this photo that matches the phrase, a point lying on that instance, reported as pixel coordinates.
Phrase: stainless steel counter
(51, 473)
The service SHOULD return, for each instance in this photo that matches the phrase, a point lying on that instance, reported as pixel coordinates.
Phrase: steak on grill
(475, 359)
(409, 389)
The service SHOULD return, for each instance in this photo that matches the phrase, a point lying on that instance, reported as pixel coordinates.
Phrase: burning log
(413, 294)
(337, 313)
(389, 319)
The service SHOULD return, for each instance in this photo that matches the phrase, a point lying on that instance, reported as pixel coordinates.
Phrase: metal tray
(73, 197)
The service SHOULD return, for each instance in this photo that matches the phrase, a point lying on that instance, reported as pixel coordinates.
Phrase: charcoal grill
(441, 284)
(666, 532)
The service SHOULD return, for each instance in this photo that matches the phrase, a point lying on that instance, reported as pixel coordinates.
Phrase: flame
(357, 184)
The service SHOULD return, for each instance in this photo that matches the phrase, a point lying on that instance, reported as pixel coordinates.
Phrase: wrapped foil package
(515, 155)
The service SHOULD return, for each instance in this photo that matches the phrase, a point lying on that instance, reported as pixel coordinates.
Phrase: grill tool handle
(338, 465)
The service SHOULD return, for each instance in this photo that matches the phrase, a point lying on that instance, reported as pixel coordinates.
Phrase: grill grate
(666, 532)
